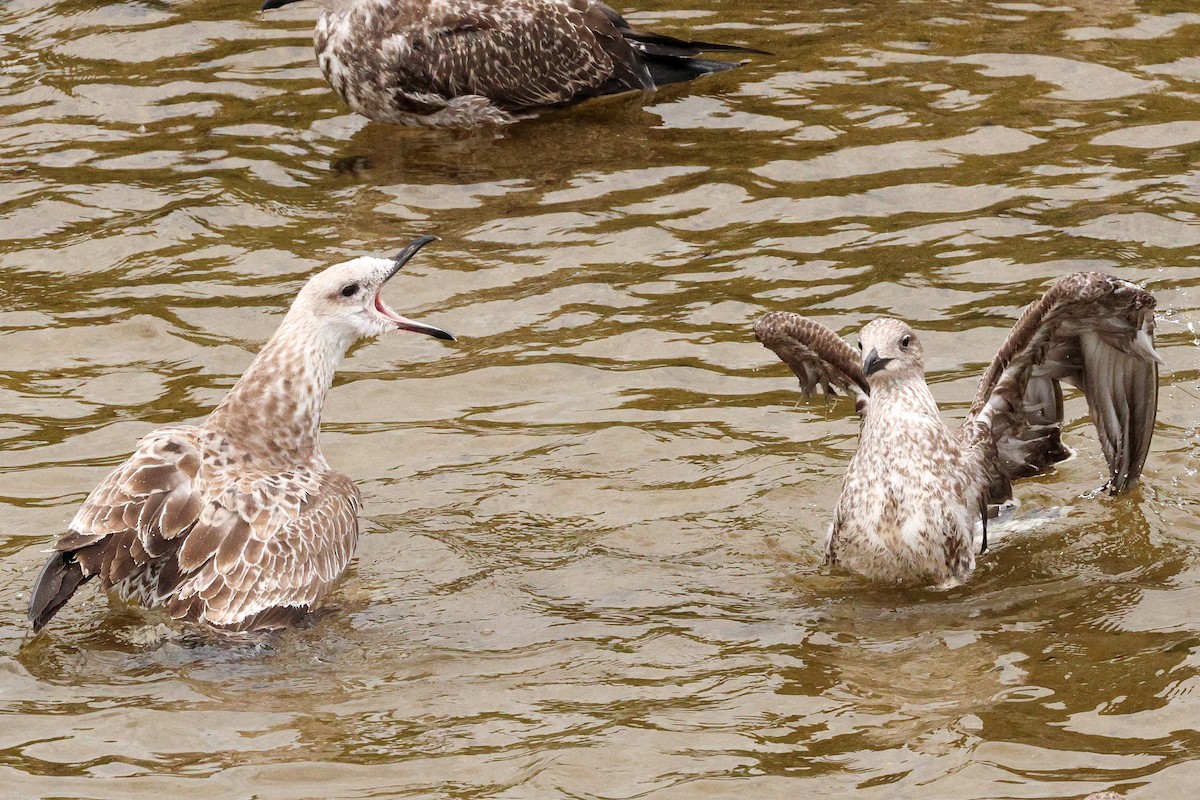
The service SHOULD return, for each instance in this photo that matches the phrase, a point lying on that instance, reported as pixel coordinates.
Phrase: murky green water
(590, 560)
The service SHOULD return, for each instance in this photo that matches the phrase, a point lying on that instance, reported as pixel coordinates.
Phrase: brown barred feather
(818, 356)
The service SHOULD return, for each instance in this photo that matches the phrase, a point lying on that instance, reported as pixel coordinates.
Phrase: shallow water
(590, 564)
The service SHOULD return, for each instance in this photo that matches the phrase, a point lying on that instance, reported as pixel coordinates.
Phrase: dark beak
(400, 259)
(406, 324)
(405, 255)
(873, 363)
(270, 4)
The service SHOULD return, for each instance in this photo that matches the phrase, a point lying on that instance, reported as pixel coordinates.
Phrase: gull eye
(860, 347)
(905, 341)
(349, 290)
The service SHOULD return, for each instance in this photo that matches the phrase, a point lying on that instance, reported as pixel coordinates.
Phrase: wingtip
(1143, 346)
(1120, 484)
(55, 585)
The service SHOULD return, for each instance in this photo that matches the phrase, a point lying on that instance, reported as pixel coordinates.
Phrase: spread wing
(1091, 331)
(468, 47)
(818, 356)
(256, 573)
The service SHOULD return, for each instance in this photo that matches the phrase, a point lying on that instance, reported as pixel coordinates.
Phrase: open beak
(404, 323)
(873, 363)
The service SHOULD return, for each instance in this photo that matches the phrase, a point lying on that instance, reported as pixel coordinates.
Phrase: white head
(891, 351)
(344, 300)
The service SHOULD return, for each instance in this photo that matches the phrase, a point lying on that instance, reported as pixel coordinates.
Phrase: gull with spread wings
(915, 487)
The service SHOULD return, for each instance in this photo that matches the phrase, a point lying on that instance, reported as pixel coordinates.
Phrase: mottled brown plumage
(461, 63)
(915, 487)
(817, 355)
(237, 522)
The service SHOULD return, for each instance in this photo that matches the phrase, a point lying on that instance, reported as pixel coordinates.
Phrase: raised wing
(257, 574)
(817, 355)
(468, 47)
(1096, 333)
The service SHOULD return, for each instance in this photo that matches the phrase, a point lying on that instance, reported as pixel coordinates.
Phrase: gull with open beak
(238, 522)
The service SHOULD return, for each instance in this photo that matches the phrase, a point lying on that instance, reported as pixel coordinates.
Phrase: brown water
(590, 564)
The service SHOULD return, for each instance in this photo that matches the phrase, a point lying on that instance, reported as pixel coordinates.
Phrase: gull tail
(54, 586)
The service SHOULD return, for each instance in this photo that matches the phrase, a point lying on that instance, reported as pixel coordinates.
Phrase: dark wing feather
(663, 45)
(1096, 333)
(55, 585)
(817, 355)
(263, 575)
(672, 60)
(131, 518)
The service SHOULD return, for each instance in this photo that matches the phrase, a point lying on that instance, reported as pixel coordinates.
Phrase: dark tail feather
(672, 60)
(677, 70)
(58, 580)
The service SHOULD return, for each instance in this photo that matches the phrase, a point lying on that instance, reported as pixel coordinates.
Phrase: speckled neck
(273, 412)
(897, 399)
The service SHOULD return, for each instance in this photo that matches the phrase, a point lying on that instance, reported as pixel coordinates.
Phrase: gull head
(346, 300)
(891, 351)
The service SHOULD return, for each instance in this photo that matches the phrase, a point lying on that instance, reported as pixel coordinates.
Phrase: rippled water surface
(590, 564)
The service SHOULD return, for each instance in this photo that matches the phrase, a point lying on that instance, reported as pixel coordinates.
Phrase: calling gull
(238, 522)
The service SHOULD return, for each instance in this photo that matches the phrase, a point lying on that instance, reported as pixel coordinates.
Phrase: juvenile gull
(914, 488)
(238, 522)
(461, 63)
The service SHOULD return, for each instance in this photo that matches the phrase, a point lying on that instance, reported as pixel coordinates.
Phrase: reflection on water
(590, 561)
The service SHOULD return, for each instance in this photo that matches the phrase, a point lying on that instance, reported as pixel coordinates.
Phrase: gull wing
(272, 565)
(239, 554)
(136, 515)
(817, 355)
(464, 47)
(1091, 331)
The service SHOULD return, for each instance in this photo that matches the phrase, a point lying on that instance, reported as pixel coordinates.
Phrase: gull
(912, 491)
(463, 63)
(238, 523)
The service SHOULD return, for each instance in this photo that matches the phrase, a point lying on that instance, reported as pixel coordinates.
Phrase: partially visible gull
(915, 487)
(238, 522)
(462, 63)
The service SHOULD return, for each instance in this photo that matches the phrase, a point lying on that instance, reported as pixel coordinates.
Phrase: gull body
(909, 503)
(238, 522)
(915, 488)
(463, 63)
